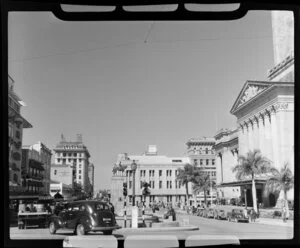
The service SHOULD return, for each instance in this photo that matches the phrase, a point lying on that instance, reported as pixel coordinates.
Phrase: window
(195, 162)
(55, 172)
(69, 160)
(167, 173)
(160, 184)
(64, 161)
(141, 183)
(18, 135)
(79, 171)
(201, 161)
(64, 154)
(79, 177)
(58, 160)
(167, 184)
(152, 185)
(141, 173)
(170, 173)
(213, 162)
(75, 154)
(101, 207)
(206, 150)
(130, 184)
(170, 184)
(160, 173)
(80, 160)
(207, 161)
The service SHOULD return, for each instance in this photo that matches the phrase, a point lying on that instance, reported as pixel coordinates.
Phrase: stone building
(91, 175)
(201, 153)
(265, 117)
(159, 171)
(62, 173)
(75, 154)
(16, 124)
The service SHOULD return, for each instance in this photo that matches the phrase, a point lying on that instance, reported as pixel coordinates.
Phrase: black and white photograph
(160, 133)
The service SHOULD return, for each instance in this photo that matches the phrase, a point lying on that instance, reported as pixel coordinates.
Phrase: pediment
(249, 91)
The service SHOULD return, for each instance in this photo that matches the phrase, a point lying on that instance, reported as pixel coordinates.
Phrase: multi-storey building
(159, 171)
(91, 175)
(202, 154)
(16, 123)
(33, 171)
(45, 156)
(76, 154)
(62, 173)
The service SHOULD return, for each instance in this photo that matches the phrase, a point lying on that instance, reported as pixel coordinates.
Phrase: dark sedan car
(237, 215)
(83, 217)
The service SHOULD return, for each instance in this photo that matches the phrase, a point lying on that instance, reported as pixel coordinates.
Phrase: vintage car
(84, 216)
(220, 214)
(237, 215)
(209, 213)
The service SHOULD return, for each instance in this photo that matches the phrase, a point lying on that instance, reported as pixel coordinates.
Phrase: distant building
(159, 171)
(32, 171)
(91, 174)
(201, 153)
(76, 154)
(16, 124)
(62, 173)
(45, 156)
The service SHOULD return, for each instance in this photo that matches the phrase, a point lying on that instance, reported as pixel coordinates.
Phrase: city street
(206, 227)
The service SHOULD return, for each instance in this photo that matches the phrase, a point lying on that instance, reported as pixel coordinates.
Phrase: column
(250, 135)
(261, 127)
(268, 135)
(241, 142)
(219, 169)
(255, 133)
(275, 145)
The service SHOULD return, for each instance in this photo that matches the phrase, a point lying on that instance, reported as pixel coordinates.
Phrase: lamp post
(133, 168)
(245, 192)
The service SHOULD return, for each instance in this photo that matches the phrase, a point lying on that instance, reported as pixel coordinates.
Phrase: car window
(101, 207)
(75, 208)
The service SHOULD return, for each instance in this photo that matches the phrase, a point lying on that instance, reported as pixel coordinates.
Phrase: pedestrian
(283, 213)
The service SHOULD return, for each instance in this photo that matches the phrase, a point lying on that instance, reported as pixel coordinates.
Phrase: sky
(127, 85)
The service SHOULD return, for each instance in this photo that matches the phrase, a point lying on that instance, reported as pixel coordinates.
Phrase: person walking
(283, 213)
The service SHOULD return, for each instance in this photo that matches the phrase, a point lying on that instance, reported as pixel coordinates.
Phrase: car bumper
(106, 228)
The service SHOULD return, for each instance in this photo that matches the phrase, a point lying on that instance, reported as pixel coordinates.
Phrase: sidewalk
(264, 221)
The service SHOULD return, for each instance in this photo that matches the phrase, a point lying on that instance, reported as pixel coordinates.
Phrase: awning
(242, 183)
(23, 197)
(45, 198)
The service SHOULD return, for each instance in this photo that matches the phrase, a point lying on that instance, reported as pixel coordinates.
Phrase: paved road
(206, 227)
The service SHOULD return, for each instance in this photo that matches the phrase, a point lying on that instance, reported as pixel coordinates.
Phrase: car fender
(85, 222)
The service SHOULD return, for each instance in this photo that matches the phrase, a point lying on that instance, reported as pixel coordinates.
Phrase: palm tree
(252, 164)
(203, 183)
(280, 181)
(185, 176)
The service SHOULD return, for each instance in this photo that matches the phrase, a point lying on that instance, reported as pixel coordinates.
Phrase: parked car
(220, 214)
(84, 216)
(237, 215)
(209, 213)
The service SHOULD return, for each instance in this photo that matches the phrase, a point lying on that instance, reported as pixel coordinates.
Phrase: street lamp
(133, 168)
(245, 191)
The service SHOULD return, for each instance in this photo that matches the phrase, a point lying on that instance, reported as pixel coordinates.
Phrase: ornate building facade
(201, 153)
(265, 117)
(75, 154)
(16, 124)
(159, 171)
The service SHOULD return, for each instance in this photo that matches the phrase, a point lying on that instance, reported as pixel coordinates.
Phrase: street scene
(156, 131)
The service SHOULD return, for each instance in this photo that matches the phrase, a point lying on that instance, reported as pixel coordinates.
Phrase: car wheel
(108, 232)
(52, 228)
(80, 230)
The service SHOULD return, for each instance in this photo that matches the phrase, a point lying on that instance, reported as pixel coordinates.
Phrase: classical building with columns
(157, 170)
(265, 119)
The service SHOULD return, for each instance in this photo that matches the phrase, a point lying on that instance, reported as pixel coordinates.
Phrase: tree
(252, 165)
(280, 181)
(103, 194)
(185, 176)
(202, 183)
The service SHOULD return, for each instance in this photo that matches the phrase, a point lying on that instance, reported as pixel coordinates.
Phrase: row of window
(69, 154)
(152, 173)
(201, 161)
(206, 151)
(69, 160)
(152, 184)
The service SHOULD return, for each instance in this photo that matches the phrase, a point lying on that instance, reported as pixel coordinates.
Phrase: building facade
(16, 124)
(65, 190)
(75, 154)
(45, 157)
(33, 171)
(159, 171)
(202, 155)
(62, 173)
(91, 175)
(265, 117)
